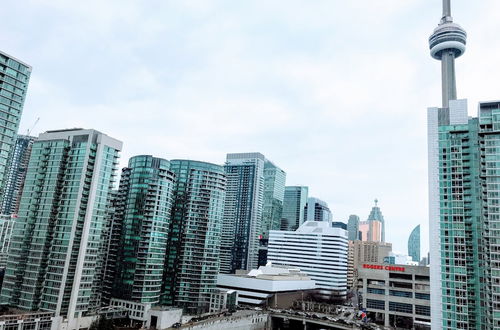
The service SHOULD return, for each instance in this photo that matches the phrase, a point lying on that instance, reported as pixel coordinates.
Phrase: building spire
(446, 8)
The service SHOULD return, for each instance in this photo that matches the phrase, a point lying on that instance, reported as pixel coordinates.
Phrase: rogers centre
(381, 267)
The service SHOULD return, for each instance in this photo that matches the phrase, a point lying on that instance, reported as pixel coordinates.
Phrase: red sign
(385, 267)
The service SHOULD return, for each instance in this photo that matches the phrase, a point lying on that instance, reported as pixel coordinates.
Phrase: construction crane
(31, 129)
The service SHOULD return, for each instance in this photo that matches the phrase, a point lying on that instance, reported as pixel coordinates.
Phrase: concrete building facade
(396, 295)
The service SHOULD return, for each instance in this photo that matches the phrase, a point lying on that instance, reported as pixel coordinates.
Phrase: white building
(317, 249)
(258, 286)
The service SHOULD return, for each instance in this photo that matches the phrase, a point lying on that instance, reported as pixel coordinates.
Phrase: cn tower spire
(447, 43)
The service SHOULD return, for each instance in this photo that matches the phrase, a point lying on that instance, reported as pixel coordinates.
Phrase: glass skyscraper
(243, 211)
(353, 228)
(146, 188)
(192, 258)
(56, 251)
(274, 193)
(14, 78)
(293, 207)
(317, 210)
(15, 175)
(414, 244)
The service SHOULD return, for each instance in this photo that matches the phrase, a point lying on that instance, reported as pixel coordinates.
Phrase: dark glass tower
(146, 188)
(192, 257)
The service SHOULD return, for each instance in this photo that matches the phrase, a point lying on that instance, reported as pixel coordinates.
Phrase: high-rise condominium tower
(14, 78)
(56, 251)
(15, 175)
(293, 207)
(243, 211)
(146, 188)
(464, 218)
(274, 193)
(192, 258)
(317, 210)
(414, 244)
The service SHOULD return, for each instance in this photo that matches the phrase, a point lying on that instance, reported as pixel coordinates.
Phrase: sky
(334, 92)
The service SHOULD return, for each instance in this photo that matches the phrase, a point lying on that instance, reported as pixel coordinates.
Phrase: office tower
(353, 228)
(56, 251)
(293, 207)
(242, 211)
(6, 225)
(317, 210)
(15, 174)
(274, 193)
(14, 78)
(371, 231)
(361, 252)
(317, 249)
(147, 185)
(192, 258)
(414, 244)
(376, 215)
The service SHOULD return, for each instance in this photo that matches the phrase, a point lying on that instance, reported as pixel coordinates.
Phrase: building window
(375, 304)
(376, 291)
(400, 307)
(424, 296)
(400, 293)
(423, 310)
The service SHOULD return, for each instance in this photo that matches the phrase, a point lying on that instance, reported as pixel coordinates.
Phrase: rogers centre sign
(390, 268)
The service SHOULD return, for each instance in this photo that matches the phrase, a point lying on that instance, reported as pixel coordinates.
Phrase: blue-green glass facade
(57, 251)
(192, 258)
(414, 244)
(469, 185)
(353, 228)
(294, 204)
(14, 78)
(146, 189)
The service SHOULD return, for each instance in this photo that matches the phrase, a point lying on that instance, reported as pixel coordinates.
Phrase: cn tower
(446, 43)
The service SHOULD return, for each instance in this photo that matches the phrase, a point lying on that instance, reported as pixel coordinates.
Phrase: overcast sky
(334, 92)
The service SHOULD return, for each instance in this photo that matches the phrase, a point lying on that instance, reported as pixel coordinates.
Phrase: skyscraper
(14, 78)
(274, 193)
(242, 211)
(317, 210)
(146, 186)
(463, 196)
(293, 207)
(192, 261)
(319, 250)
(414, 244)
(56, 251)
(353, 228)
(15, 175)
(376, 215)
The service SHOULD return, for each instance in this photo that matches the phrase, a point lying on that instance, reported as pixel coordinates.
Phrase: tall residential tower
(242, 211)
(57, 247)
(14, 78)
